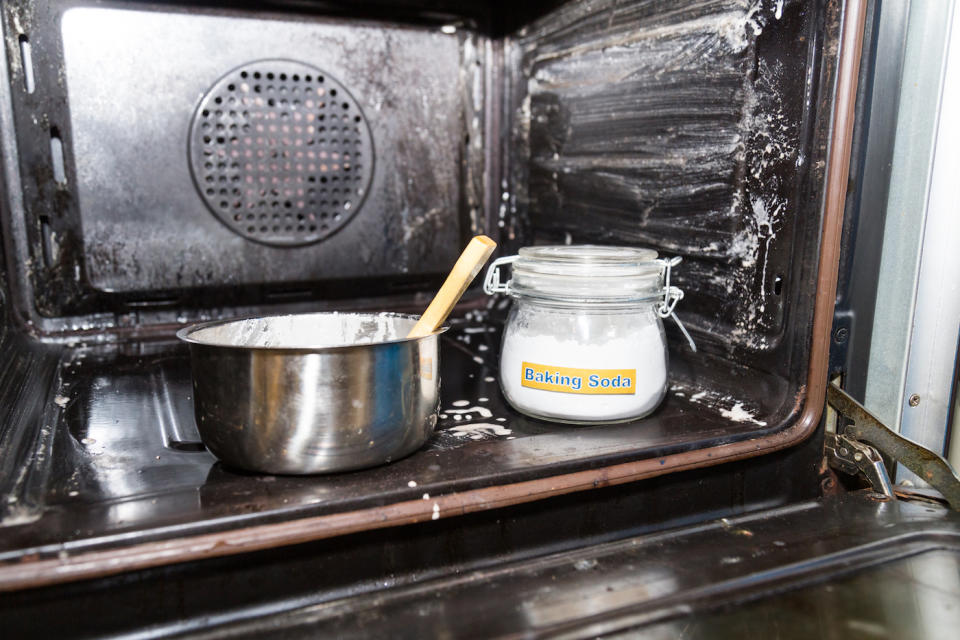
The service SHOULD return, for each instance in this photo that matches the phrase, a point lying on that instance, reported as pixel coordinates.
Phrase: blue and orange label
(571, 380)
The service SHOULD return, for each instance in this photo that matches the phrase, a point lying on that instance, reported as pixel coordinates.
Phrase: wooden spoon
(464, 271)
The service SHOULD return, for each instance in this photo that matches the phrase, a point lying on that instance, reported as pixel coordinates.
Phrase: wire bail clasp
(491, 282)
(671, 296)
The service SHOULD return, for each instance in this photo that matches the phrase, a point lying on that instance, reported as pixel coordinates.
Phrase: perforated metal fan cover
(281, 152)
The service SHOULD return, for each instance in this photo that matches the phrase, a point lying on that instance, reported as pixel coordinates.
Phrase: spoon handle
(464, 271)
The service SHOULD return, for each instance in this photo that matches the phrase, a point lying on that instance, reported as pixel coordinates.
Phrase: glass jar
(584, 341)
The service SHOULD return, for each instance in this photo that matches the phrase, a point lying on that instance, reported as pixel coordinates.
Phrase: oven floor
(116, 459)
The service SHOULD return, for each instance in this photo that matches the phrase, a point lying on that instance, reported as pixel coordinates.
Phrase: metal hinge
(865, 429)
(851, 457)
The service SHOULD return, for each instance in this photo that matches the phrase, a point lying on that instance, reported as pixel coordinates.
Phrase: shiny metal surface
(926, 464)
(852, 457)
(296, 408)
(926, 48)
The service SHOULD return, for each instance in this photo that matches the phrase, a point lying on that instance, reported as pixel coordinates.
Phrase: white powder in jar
(592, 343)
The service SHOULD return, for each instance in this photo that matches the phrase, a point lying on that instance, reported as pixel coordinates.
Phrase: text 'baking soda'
(571, 380)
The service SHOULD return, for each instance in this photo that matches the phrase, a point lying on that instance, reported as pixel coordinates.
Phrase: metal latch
(867, 428)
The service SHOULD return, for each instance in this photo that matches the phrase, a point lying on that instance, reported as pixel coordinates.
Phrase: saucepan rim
(185, 334)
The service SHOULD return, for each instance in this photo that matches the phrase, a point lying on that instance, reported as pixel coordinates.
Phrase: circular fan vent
(281, 152)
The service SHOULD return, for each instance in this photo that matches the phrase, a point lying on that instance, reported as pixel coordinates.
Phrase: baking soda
(584, 342)
(618, 371)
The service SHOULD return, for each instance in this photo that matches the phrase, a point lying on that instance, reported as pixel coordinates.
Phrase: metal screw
(841, 334)
(914, 400)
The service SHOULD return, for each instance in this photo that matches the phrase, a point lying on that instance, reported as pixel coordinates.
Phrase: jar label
(571, 380)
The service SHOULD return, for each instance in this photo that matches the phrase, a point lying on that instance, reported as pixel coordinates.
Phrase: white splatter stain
(738, 414)
(732, 27)
(763, 220)
(729, 407)
(483, 412)
(478, 430)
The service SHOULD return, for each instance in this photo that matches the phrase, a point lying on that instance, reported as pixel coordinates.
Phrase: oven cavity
(281, 152)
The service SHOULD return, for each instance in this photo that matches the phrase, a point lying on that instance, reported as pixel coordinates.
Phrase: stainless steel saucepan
(313, 393)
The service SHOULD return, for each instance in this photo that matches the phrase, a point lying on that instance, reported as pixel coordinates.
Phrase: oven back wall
(137, 83)
(134, 80)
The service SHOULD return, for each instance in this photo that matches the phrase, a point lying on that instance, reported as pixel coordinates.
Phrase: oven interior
(161, 167)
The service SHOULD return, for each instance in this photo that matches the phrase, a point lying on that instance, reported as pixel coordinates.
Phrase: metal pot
(313, 393)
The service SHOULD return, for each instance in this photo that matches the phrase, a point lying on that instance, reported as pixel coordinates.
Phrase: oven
(166, 163)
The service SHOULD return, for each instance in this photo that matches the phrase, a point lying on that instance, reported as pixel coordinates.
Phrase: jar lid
(584, 273)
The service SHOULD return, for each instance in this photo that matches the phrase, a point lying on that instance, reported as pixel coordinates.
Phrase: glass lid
(586, 272)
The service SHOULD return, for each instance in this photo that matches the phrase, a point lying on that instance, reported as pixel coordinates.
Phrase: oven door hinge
(851, 457)
(857, 446)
